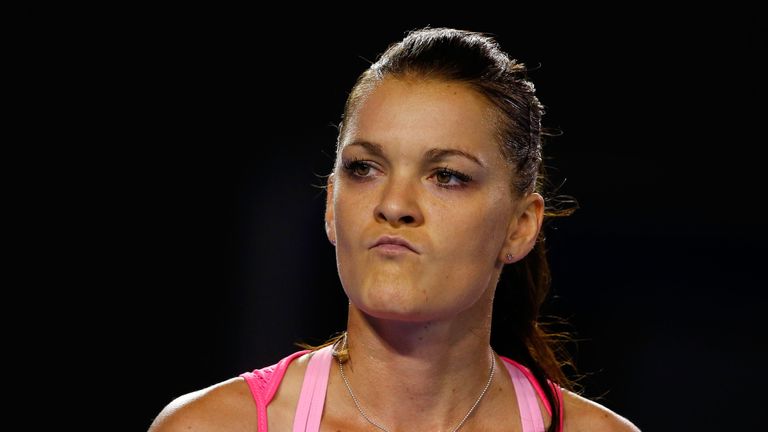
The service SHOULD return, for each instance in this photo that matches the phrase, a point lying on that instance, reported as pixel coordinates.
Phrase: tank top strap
(263, 384)
(530, 414)
(312, 398)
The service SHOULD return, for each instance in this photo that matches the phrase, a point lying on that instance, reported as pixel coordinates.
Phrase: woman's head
(441, 145)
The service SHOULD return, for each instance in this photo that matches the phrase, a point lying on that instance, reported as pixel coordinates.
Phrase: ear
(524, 228)
(330, 225)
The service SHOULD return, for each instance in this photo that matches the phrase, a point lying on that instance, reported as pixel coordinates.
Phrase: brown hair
(476, 60)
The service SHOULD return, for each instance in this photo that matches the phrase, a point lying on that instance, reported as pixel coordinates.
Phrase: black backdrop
(216, 260)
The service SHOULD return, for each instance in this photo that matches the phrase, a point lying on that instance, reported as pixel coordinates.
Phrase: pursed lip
(394, 240)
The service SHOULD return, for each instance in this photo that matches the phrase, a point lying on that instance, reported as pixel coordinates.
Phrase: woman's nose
(399, 204)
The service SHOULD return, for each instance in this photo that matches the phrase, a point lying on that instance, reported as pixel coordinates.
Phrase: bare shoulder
(582, 414)
(227, 406)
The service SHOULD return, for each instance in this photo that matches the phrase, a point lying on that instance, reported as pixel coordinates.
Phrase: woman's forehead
(424, 113)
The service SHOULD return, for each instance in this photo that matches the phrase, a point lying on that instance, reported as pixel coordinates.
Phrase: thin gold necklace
(369, 420)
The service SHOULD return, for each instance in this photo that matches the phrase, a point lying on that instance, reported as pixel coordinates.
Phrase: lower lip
(392, 249)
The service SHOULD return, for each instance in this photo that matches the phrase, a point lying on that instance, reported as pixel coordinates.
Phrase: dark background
(210, 251)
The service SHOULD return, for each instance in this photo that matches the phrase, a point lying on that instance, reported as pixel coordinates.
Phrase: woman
(435, 189)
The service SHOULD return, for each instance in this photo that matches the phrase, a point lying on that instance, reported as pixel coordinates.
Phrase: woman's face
(419, 160)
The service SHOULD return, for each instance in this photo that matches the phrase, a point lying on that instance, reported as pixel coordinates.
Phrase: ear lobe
(329, 231)
(330, 226)
(523, 232)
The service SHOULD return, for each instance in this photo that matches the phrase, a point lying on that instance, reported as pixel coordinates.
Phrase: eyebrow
(432, 155)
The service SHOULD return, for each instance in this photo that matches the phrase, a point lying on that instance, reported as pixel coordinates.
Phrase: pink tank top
(264, 383)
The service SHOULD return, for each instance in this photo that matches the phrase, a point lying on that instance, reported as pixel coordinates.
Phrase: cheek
(348, 215)
(351, 219)
(478, 231)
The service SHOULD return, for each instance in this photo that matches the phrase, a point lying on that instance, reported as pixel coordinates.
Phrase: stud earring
(510, 258)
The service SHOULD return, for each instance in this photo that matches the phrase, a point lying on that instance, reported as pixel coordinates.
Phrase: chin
(410, 296)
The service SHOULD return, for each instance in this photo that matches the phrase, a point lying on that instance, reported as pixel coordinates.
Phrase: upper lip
(394, 240)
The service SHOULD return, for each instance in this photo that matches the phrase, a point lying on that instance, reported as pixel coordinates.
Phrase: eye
(444, 175)
(357, 168)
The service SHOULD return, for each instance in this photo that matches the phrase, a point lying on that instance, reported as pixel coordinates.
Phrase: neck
(419, 375)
